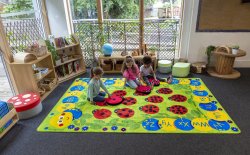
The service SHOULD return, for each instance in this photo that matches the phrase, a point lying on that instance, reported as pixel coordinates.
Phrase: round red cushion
(143, 89)
(114, 100)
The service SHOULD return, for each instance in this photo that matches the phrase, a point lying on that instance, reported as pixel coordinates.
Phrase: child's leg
(137, 82)
(101, 93)
(98, 98)
(145, 79)
(161, 79)
(132, 84)
(158, 78)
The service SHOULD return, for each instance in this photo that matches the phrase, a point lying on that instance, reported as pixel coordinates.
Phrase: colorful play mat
(185, 106)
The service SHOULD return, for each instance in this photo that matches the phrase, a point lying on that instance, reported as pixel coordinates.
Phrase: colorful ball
(107, 49)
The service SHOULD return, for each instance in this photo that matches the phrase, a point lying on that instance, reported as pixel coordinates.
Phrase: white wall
(193, 43)
(57, 18)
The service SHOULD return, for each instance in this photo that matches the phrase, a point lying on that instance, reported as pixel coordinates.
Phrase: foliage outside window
(112, 9)
(20, 7)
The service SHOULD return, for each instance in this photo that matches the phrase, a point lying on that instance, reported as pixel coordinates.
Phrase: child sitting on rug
(130, 72)
(94, 94)
(148, 72)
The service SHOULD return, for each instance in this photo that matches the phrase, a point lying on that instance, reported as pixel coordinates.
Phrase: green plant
(52, 50)
(209, 52)
(235, 47)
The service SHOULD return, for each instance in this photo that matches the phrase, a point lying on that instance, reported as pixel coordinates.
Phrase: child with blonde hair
(130, 72)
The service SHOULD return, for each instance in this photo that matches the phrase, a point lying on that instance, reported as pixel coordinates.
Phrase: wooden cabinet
(23, 74)
(112, 64)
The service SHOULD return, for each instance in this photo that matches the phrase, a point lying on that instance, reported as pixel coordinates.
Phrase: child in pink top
(131, 72)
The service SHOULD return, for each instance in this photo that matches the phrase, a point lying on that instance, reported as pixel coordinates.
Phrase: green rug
(185, 106)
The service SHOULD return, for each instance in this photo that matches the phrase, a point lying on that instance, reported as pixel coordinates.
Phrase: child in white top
(148, 72)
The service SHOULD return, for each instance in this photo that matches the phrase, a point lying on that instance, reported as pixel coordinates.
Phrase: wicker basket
(107, 65)
(41, 91)
(37, 51)
(50, 85)
(118, 65)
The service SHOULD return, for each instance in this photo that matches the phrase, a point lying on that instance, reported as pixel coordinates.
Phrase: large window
(121, 26)
(126, 9)
(22, 25)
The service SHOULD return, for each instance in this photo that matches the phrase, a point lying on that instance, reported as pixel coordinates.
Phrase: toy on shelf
(24, 57)
(107, 49)
(26, 105)
(38, 48)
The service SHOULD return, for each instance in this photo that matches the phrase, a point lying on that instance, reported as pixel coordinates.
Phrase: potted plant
(52, 50)
(235, 49)
(209, 53)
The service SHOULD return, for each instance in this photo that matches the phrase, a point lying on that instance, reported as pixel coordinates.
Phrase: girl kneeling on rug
(131, 72)
(94, 94)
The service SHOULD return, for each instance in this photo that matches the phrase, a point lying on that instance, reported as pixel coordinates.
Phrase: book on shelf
(69, 68)
(76, 65)
(61, 72)
(60, 42)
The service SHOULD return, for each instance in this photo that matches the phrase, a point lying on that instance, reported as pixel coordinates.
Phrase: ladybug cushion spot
(150, 109)
(125, 113)
(155, 99)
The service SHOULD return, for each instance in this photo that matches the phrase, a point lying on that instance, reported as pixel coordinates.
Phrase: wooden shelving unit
(24, 75)
(74, 51)
(12, 114)
(117, 56)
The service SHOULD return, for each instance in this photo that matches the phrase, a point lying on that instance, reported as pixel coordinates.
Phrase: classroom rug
(185, 106)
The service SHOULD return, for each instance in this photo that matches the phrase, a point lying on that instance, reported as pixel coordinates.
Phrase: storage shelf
(68, 61)
(68, 46)
(117, 57)
(48, 92)
(10, 115)
(44, 75)
(69, 76)
(112, 71)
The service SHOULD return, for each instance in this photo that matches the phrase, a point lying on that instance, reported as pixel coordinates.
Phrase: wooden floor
(5, 90)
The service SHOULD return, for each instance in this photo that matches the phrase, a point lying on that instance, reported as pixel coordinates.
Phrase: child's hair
(147, 60)
(96, 71)
(128, 59)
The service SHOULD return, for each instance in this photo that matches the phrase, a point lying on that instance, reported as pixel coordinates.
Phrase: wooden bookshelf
(73, 50)
(70, 76)
(23, 74)
(68, 61)
(44, 75)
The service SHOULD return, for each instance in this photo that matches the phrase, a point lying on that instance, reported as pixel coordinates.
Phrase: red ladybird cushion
(154, 82)
(114, 100)
(143, 89)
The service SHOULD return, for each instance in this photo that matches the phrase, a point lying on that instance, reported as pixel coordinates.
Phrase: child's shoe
(170, 79)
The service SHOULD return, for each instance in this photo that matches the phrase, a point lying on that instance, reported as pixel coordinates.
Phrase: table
(224, 65)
